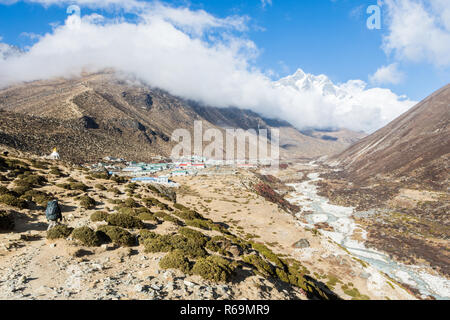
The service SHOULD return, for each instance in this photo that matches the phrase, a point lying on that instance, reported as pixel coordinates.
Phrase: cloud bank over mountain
(197, 56)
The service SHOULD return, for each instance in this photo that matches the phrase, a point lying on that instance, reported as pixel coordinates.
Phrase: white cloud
(419, 31)
(125, 4)
(197, 56)
(389, 74)
(265, 3)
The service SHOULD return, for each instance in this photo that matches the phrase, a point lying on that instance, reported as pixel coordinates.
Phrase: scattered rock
(236, 251)
(108, 246)
(139, 288)
(301, 244)
(364, 275)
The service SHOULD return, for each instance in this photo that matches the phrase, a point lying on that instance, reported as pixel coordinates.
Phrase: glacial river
(341, 219)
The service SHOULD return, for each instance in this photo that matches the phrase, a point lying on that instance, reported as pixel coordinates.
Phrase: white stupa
(54, 155)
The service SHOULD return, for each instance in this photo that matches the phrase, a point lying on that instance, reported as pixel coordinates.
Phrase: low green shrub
(20, 191)
(147, 216)
(118, 179)
(355, 294)
(39, 164)
(13, 201)
(195, 236)
(266, 252)
(180, 207)
(125, 221)
(4, 190)
(100, 175)
(147, 234)
(219, 244)
(160, 243)
(166, 243)
(264, 268)
(167, 217)
(59, 231)
(87, 202)
(115, 191)
(175, 260)
(118, 235)
(38, 197)
(87, 236)
(78, 186)
(7, 222)
(131, 203)
(73, 186)
(189, 215)
(56, 172)
(100, 187)
(30, 180)
(213, 268)
(125, 210)
(197, 223)
(99, 216)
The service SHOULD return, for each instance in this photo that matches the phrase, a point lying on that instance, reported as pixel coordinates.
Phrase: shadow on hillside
(316, 290)
(24, 223)
(314, 294)
(67, 208)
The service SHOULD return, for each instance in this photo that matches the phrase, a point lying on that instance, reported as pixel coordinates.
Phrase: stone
(139, 288)
(301, 244)
(170, 286)
(235, 251)
(188, 284)
(155, 287)
(364, 275)
(108, 246)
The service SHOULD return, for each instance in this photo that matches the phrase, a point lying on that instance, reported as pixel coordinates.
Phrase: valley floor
(33, 267)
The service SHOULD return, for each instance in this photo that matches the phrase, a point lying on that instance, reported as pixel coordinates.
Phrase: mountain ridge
(416, 145)
(124, 118)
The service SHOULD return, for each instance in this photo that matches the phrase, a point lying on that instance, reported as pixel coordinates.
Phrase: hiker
(53, 213)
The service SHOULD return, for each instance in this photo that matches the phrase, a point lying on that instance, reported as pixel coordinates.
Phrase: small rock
(170, 286)
(53, 245)
(155, 287)
(139, 288)
(364, 275)
(22, 280)
(301, 244)
(108, 246)
(236, 251)
(188, 284)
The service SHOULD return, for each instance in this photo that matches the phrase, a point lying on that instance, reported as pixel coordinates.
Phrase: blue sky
(320, 36)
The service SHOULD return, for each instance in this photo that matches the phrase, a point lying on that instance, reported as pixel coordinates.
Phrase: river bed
(316, 209)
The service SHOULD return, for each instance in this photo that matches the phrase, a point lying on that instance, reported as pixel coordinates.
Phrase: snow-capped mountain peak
(308, 82)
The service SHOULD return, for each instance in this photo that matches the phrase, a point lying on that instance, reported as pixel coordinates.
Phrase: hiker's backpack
(53, 211)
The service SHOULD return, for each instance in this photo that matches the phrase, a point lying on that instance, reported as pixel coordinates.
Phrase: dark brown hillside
(415, 146)
(98, 115)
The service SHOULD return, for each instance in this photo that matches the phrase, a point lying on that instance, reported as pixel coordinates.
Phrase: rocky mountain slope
(98, 115)
(414, 147)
